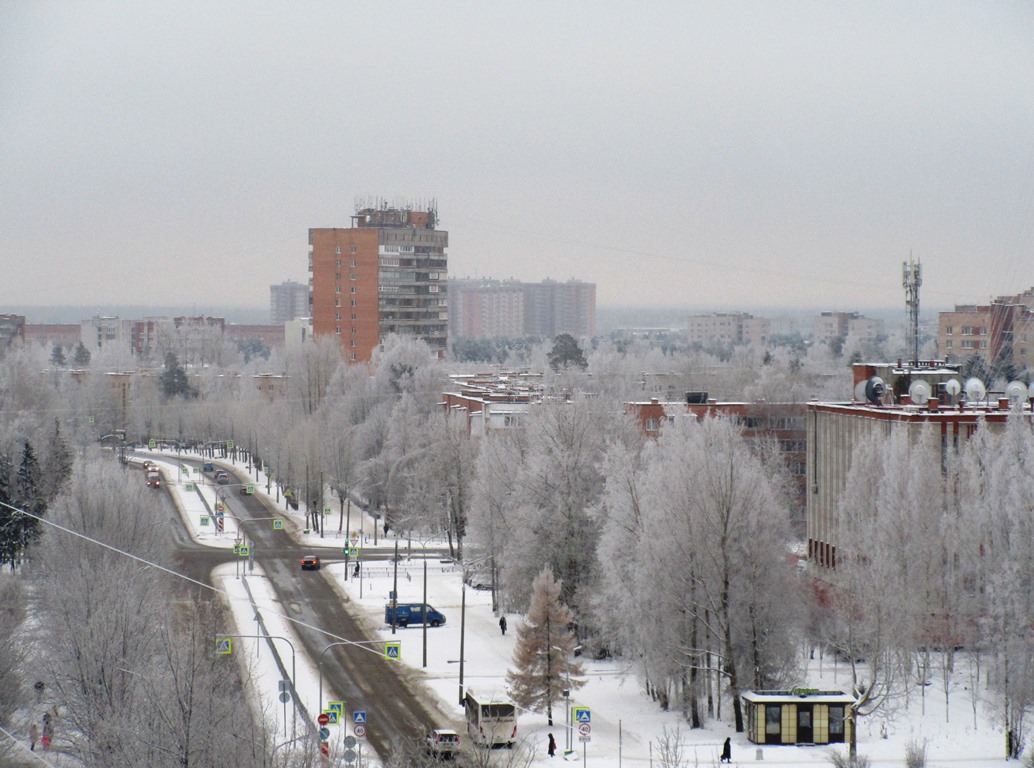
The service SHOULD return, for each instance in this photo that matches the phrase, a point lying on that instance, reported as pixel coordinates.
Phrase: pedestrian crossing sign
(336, 706)
(224, 645)
(332, 715)
(582, 715)
(393, 651)
(278, 525)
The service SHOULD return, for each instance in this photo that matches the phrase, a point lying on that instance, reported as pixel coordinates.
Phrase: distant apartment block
(490, 308)
(12, 328)
(728, 328)
(53, 334)
(99, 331)
(838, 325)
(1002, 331)
(194, 340)
(387, 273)
(288, 301)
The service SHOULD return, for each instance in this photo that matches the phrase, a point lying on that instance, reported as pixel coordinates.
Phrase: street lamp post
(294, 674)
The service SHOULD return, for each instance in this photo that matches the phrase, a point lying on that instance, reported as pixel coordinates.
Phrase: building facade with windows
(387, 273)
(999, 332)
(510, 308)
(288, 301)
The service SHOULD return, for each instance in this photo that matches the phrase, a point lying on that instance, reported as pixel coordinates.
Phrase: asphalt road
(365, 680)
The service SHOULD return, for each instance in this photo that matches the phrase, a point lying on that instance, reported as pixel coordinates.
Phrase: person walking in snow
(502, 624)
(552, 746)
(726, 752)
(33, 736)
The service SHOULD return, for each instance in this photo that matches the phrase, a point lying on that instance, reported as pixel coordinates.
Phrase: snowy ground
(626, 725)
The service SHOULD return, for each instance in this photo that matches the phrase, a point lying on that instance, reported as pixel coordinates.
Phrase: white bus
(491, 722)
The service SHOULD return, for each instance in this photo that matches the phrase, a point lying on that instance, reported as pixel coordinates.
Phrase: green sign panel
(205, 521)
(152, 444)
(244, 550)
(229, 445)
(278, 525)
(224, 645)
(333, 716)
(393, 651)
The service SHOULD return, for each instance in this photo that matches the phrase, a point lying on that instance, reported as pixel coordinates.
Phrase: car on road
(310, 563)
(442, 743)
(207, 466)
(222, 477)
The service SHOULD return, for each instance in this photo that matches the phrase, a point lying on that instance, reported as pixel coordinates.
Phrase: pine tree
(57, 357)
(28, 495)
(82, 355)
(10, 528)
(58, 465)
(544, 665)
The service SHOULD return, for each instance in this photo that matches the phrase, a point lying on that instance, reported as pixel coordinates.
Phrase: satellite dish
(920, 392)
(952, 387)
(874, 389)
(975, 389)
(1016, 391)
(1030, 390)
(859, 390)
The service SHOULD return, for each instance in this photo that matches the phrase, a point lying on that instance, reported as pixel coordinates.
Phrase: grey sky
(698, 155)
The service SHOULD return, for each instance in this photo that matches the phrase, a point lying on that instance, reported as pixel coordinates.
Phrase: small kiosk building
(798, 716)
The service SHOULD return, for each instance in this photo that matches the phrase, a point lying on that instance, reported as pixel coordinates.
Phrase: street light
(294, 676)
(358, 643)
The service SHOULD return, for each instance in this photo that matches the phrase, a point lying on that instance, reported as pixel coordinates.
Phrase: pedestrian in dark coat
(502, 624)
(727, 751)
(552, 746)
(33, 736)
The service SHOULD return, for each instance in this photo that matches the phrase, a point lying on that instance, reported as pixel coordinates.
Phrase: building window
(352, 249)
(338, 263)
(651, 425)
(353, 330)
(355, 316)
(337, 289)
(352, 343)
(967, 344)
(337, 302)
(983, 330)
(353, 302)
(983, 343)
(967, 330)
(338, 249)
(352, 276)
(352, 289)
(947, 331)
(948, 343)
(432, 289)
(337, 275)
(353, 357)
(353, 264)
(338, 317)
(338, 330)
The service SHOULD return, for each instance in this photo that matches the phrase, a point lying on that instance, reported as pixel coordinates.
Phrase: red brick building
(385, 274)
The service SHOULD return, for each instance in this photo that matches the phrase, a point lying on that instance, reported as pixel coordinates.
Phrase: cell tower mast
(912, 278)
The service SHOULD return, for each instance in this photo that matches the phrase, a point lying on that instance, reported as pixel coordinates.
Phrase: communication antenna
(1016, 391)
(953, 387)
(912, 278)
(920, 392)
(975, 389)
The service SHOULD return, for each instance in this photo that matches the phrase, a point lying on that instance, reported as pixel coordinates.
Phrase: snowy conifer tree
(544, 665)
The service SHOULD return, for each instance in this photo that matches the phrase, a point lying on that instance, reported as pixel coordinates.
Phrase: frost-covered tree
(709, 540)
(544, 665)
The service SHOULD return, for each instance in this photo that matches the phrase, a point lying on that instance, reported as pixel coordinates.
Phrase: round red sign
(323, 719)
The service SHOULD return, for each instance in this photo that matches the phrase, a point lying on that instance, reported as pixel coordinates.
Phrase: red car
(310, 563)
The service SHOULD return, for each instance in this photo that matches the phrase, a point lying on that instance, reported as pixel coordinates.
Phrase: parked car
(442, 743)
(413, 613)
(310, 563)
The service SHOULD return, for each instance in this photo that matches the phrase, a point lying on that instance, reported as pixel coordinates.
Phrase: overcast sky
(716, 155)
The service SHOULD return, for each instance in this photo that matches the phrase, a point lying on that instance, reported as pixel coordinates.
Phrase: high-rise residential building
(387, 273)
(489, 308)
(1001, 332)
(288, 301)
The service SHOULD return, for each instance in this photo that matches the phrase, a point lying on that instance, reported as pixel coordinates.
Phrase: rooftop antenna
(912, 278)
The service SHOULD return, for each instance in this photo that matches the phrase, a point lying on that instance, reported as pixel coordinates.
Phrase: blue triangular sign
(359, 717)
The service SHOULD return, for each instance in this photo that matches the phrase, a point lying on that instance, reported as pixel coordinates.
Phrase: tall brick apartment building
(385, 274)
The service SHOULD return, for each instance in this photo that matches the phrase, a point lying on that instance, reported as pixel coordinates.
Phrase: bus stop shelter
(798, 716)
